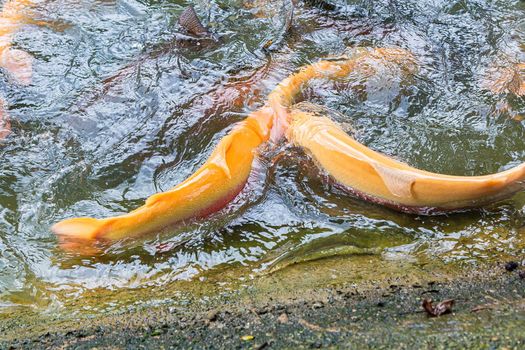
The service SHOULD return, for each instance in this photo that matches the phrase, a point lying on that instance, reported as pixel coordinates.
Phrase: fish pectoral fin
(399, 182)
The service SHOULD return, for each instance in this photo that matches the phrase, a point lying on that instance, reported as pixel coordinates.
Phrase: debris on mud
(211, 316)
(316, 328)
(439, 309)
(511, 266)
(283, 318)
(483, 307)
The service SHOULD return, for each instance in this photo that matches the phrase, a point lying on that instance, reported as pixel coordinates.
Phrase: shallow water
(119, 110)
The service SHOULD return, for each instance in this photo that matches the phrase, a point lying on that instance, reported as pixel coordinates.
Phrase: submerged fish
(17, 63)
(209, 189)
(506, 79)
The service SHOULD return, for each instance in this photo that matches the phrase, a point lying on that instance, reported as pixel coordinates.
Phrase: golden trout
(367, 173)
(383, 180)
(209, 189)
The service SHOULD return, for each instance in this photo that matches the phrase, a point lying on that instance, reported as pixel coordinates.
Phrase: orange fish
(17, 63)
(508, 79)
(210, 188)
(383, 180)
(367, 173)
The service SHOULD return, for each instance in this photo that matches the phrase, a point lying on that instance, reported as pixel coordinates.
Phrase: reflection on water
(119, 110)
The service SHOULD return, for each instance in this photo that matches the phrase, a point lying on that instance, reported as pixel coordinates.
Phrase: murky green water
(118, 110)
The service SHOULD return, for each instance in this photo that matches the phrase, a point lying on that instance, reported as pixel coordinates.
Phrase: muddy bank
(303, 306)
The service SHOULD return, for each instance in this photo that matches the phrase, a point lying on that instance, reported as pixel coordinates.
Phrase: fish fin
(261, 122)
(158, 197)
(280, 125)
(399, 182)
(155, 198)
(218, 157)
(190, 22)
(79, 228)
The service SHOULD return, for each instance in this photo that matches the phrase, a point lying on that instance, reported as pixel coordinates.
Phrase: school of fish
(353, 166)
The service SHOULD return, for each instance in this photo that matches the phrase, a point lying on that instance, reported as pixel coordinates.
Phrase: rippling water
(119, 109)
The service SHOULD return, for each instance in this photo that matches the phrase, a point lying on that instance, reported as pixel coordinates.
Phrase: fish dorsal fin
(189, 21)
(218, 157)
(517, 84)
(398, 182)
(155, 198)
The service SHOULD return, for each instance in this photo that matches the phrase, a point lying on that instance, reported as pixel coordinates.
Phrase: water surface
(118, 110)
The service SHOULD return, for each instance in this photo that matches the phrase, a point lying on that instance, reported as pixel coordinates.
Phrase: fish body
(381, 179)
(210, 188)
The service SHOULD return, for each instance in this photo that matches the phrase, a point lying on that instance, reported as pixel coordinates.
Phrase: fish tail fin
(79, 228)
